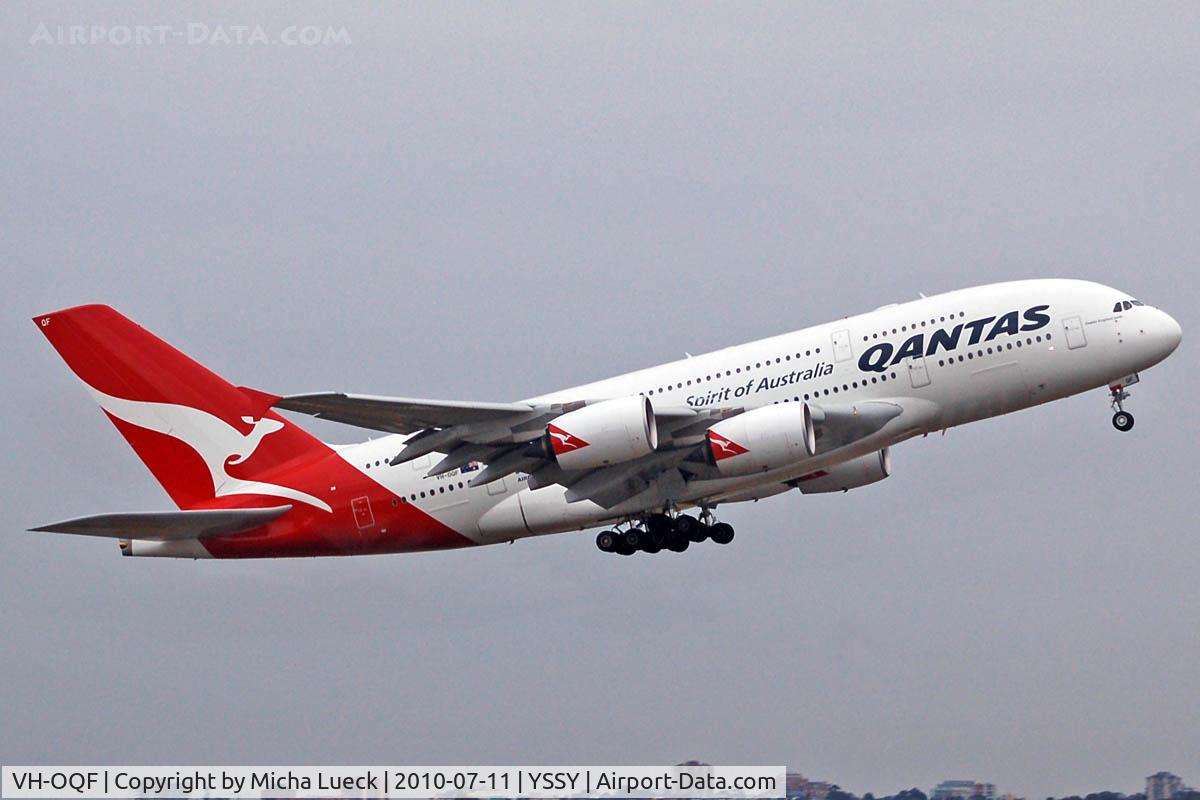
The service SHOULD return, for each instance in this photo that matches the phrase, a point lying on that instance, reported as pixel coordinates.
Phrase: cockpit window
(1117, 307)
(1138, 303)
(1127, 305)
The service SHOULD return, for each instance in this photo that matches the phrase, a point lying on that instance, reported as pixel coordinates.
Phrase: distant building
(1163, 786)
(964, 790)
(801, 788)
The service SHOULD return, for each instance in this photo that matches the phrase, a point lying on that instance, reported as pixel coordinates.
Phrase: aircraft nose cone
(1169, 332)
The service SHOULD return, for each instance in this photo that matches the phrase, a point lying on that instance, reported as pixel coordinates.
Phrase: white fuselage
(1065, 338)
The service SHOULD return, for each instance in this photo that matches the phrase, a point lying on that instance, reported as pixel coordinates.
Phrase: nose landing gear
(1122, 420)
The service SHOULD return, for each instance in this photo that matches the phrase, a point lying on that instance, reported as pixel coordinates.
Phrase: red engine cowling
(608, 432)
(762, 439)
(866, 469)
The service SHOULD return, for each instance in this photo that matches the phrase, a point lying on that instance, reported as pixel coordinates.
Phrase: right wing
(168, 526)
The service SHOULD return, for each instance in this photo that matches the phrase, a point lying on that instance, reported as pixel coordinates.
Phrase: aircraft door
(1073, 327)
(841, 346)
(363, 518)
(918, 375)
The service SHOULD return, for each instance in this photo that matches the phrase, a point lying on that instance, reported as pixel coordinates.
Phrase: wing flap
(168, 526)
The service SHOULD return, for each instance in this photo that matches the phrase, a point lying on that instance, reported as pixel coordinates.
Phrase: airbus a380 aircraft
(815, 410)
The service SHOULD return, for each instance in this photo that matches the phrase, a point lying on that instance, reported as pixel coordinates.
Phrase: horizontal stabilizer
(168, 526)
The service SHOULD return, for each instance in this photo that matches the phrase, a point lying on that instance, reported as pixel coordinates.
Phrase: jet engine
(851, 474)
(762, 439)
(608, 432)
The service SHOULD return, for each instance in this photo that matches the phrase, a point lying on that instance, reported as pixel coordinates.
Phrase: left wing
(512, 437)
(399, 414)
(497, 434)
(508, 438)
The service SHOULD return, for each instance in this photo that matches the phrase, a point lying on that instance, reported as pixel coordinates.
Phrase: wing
(399, 414)
(461, 430)
(685, 456)
(168, 526)
(506, 437)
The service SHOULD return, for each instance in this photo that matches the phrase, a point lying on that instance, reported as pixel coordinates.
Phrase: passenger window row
(440, 490)
(412, 498)
(913, 326)
(730, 373)
(845, 387)
(997, 348)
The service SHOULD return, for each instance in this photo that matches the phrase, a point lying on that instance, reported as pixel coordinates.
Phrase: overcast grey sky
(491, 201)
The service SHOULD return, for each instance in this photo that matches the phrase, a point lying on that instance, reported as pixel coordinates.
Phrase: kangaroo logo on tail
(217, 442)
(261, 428)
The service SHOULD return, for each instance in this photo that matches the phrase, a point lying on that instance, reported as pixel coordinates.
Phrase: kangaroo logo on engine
(563, 442)
(883, 355)
(723, 447)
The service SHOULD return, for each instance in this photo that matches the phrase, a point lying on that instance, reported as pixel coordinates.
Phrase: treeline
(836, 793)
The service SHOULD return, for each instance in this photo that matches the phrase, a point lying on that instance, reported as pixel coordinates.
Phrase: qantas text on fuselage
(649, 456)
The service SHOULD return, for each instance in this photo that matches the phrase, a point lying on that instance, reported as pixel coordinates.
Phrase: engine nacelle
(608, 432)
(851, 474)
(762, 439)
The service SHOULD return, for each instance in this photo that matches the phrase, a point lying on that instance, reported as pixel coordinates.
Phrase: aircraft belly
(999, 389)
(546, 510)
(503, 521)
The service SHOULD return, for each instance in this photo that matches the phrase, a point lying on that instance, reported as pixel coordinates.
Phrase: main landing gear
(659, 532)
(1122, 420)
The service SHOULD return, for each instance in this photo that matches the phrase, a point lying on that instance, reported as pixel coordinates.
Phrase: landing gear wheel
(689, 528)
(654, 539)
(1122, 421)
(677, 542)
(607, 541)
(631, 541)
(659, 524)
(721, 533)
